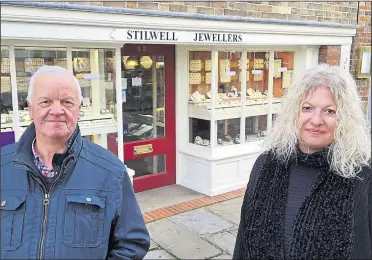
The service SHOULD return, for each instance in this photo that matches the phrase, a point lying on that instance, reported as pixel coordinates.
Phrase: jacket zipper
(45, 206)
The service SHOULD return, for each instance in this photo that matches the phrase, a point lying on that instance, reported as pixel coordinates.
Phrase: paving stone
(158, 254)
(234, 231)
(229, 209)
(180, 241)
(224, 240)
(202, 222)
(227, 257)
(153, 245)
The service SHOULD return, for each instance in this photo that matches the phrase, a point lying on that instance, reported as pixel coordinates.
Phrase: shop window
(148, 165)
(258, 64)
(257, 77)
(231, 78)
(144, 97)
(6, 92)
(200, 79)
(283, 73)
(95, 71)
(200, 130)
(228, 131)
(255, 128)
(27, 62)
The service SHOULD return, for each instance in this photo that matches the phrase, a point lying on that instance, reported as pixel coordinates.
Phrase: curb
(182, 207)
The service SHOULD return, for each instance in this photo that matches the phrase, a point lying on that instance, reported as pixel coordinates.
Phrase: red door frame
(161, 145)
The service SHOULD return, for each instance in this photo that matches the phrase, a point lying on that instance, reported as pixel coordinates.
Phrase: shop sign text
(176, 36)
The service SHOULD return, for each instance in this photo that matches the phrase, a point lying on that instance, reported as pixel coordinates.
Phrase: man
(63, 197)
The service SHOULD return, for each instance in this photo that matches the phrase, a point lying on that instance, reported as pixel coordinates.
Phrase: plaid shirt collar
(45, 170)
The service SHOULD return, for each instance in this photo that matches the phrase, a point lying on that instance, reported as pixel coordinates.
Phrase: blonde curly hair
(351, 149)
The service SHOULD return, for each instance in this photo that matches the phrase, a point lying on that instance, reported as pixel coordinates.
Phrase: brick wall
(338, 12)
(362, 38)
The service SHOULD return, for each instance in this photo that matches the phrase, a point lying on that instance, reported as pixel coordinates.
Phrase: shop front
(178, 99)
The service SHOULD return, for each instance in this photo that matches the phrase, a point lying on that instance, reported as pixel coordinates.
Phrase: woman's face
(317, 118)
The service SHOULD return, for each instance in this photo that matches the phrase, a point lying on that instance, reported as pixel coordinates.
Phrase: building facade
(182, 92)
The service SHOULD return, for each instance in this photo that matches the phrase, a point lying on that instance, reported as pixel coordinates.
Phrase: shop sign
(166, 36)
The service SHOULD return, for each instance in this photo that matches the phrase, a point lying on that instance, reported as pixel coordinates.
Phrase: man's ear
(79, 111)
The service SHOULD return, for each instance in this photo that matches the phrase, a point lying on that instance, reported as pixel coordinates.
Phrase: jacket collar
(24, 146)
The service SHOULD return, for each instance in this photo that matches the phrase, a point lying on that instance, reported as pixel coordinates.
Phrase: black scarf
(323, 228)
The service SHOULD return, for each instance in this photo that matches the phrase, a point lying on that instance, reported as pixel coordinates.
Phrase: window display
(200, 79)
(200, 66)
(6, 92)
(228, 131)
(94, 69)
(200, 130)
(283, 73)
(257, 77)
(144, 97)
(230, 81)
(255, 128)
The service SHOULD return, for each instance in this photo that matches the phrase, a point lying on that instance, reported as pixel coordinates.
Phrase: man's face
(55, 107)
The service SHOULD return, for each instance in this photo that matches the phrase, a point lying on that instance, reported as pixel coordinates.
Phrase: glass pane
(6, 92)
(257, 77)
(95, 71)
(199, 98)
(255, 128)
(148, 165)
(144, 100)
(199, 131)
(228, 131)
(229, 79)
(27, 61)
(283, 73)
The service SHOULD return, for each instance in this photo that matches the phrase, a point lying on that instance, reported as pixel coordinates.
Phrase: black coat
(361, 231)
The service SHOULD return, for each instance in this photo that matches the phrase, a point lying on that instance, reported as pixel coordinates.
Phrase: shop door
(149, 114)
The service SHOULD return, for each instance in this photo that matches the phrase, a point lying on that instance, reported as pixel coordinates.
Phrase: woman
(310, 194)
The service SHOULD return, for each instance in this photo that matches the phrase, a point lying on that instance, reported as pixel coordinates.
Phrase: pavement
(204, 233)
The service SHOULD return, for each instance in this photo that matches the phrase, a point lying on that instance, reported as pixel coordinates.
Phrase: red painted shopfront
(148, 71)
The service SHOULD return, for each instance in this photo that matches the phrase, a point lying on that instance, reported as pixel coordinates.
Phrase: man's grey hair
(351, 148)
(51, 70)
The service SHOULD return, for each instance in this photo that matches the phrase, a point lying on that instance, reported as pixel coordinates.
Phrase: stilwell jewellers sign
(164, 36)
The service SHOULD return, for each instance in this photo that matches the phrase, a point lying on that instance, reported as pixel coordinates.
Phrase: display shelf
(6, 129)
(7, 125)
(97, 117)
(94, 127)
(221, 113)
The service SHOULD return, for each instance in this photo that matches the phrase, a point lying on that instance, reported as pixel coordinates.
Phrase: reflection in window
(144, 98)
(6, 92)
(148, 165)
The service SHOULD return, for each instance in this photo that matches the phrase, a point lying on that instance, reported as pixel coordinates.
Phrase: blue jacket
(89, 212)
